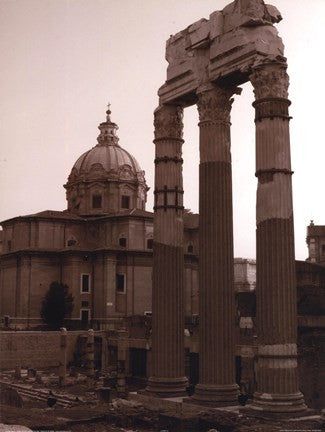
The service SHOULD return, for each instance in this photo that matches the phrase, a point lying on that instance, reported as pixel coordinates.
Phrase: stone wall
(37, 349)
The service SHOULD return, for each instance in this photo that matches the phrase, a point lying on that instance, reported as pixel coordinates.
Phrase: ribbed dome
(107, 152)
(109, 156)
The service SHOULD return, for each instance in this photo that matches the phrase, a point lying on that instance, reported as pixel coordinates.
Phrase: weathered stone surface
(216, 279)
(277, 389)
(167, 373)
(230, 43)
(10, 396)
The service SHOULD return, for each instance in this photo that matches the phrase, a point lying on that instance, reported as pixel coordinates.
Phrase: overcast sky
(63, 60)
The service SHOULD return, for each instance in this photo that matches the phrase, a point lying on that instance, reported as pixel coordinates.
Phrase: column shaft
(216, 265)
(277, 380)
(167, 377)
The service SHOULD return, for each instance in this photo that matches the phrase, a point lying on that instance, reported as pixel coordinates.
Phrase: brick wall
(38, 349)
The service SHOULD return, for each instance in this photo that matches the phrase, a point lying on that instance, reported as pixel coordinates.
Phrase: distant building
(101, 246)
(316, 243)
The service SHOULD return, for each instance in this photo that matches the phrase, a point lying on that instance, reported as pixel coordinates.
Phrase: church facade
(101, 246)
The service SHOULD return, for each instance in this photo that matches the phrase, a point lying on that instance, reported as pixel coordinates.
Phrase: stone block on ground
(10, 396)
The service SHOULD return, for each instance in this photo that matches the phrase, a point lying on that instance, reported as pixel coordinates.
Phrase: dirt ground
(89, 414)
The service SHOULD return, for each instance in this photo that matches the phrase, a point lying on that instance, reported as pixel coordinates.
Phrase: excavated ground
(88, 414)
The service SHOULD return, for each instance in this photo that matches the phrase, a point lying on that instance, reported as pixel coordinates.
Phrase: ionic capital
(214, 103)
(270, 81)
(168, 122)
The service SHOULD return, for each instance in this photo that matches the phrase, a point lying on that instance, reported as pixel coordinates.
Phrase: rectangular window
(84, 304)
(9, 245)
(323, 249)
(120, 283)
(122, 242)
(125, 202)
(97, 202)
(149, 243)
(85, 283)
(84, 315)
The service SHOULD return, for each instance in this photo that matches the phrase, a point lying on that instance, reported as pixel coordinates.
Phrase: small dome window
(96, 201)
(125, 202)
(122, 242)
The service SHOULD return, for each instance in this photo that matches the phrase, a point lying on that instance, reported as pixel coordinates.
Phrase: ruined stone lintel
(168, 122)
(214, 103)
(166, 159)
(272, 108)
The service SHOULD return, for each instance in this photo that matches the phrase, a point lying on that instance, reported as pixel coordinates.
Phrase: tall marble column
(217, 384)
(277, 379)
(167, 377)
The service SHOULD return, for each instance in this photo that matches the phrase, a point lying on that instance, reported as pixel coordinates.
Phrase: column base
(166, 387)
(269, 405)
(215, 395)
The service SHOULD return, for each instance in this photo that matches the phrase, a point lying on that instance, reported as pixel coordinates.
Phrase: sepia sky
(63, 60)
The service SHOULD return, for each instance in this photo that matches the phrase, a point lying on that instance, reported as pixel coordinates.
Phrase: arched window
(122, 241)
(190, 248)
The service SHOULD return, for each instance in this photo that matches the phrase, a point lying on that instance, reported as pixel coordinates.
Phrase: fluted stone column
(277, 376)
(217, 384)
(167, 377)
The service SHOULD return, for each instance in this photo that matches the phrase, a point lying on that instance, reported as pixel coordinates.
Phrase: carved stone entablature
(168, 122)
(228, 44)
(270, 81)
(214, 103)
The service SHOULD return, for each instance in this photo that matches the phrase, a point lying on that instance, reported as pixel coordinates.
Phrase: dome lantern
(108, 130)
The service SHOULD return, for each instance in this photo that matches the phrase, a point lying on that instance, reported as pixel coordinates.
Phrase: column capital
(214, 103)
(168, 122)
(270, 80)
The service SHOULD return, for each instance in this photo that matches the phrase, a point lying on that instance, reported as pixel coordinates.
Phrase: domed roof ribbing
(108, 153)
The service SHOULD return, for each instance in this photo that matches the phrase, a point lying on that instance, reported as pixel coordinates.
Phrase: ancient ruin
(206, 63)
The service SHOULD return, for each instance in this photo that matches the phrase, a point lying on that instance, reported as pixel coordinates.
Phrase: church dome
(110, 157)
(106, 179)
